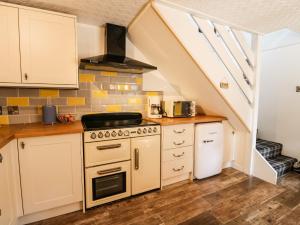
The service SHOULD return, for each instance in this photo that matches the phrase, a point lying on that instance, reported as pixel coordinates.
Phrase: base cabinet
(145, 156)
(50, 169)
(7, 207)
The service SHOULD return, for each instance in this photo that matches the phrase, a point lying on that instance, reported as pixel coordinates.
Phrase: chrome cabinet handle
(1, 158)
(176, 170)
(136, 159)
(106, 147)
(177, 156)
(113, 170)
(22, 145)
(208, 141)
(180, 143)
(178, 131)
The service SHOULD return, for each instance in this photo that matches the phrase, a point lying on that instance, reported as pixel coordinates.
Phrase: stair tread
(282, 164)
(268, 149)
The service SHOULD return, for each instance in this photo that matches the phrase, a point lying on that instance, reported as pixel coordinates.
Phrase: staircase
(272, 152)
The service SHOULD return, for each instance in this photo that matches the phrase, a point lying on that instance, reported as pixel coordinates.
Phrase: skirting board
(49, 213)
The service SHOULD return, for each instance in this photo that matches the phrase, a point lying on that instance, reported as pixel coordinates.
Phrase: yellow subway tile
(152, 93)
(86, 77)
(134, 101)
(139, 80)
(108, 73)
(113, 108)
(49, 93)
(4, 120)
(99, 93)
(72, 101)
(123, 87)
(17, 101)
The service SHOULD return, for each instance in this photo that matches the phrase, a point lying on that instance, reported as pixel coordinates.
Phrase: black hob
(113, 120)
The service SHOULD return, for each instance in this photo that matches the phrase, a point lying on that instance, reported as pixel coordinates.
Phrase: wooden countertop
(10, 132)
(165, 121)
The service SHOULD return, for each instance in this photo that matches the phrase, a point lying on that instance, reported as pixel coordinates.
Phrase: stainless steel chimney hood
(115, 58)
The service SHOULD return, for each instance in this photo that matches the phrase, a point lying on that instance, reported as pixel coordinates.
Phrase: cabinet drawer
(97, 153)
(177, 154)
(178, 136)
(177, 167)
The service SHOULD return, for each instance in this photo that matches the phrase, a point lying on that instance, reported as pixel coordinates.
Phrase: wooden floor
(230, 198)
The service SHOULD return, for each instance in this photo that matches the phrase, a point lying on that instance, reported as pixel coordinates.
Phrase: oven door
(107, 183)
(182, 109)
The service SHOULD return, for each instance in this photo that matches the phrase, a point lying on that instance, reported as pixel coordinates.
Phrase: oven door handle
(106, 147)
(136, 159)
(113, 170)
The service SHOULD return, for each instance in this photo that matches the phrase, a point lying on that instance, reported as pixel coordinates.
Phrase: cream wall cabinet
(7, 206)
(51, 171)
(37, 48)
(177, 153)
(10, 71)
(145, 156)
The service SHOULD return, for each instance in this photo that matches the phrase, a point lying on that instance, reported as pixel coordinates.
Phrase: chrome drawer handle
(208, 141)
(106, 147)
(113, 170)
(176, 170)
(178, 131)
(177, 156)
(180, 143)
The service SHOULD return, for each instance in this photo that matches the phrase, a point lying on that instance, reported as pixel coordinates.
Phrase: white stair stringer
(262, 169)
(170, 39)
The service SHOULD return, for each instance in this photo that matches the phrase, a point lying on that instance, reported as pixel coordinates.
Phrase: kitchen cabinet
(177, 153)
(145, 156)
(7, 207)
(51, 171)
(10, 71)
(38, 48)
(48, 48)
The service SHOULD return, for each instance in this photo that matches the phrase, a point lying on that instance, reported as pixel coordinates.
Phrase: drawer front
(103, 152)
(176, 136)
(177, 154)
(177, 167)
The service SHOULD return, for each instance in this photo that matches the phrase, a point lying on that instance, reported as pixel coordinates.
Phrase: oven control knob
(120, 133)
(107, 134)
(126, 133)
(114, 133)
(93, 135)
(150, 130)
(144, 130)
(154, 129)
(139, 131)
(100, 135)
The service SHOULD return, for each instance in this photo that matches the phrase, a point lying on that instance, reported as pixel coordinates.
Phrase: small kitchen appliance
(154, 107)
(173, 108)
(121, 156)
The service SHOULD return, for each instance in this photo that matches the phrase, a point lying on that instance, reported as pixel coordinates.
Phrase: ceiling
(258, 15)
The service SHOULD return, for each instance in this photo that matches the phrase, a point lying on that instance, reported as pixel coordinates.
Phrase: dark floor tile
(203, 219)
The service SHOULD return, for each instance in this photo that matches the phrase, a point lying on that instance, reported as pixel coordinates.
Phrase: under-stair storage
(218, 60)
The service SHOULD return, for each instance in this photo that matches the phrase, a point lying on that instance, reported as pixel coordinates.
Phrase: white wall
(279, 109)
(91, 43)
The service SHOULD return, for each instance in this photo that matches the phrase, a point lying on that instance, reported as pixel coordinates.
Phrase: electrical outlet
(297, 88)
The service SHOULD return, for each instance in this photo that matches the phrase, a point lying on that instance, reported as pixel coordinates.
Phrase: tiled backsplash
(98, 91)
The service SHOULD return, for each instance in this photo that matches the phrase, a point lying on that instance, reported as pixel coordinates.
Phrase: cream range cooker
(121, 156)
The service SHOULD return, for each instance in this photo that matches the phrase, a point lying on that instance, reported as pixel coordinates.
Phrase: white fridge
(208, 149)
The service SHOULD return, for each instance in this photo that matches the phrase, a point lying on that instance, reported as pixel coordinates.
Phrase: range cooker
(121, 156)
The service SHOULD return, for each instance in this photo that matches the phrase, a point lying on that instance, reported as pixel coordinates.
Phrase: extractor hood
(115, 58)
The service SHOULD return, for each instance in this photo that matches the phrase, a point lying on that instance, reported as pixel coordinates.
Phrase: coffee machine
(154, 107)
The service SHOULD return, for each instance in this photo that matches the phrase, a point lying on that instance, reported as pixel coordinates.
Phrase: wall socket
(297, 88)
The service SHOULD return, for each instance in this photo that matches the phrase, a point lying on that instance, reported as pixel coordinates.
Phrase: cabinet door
(7, 213)
(51, 171)
(9, 46)
(48, 48)
(145, 156)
